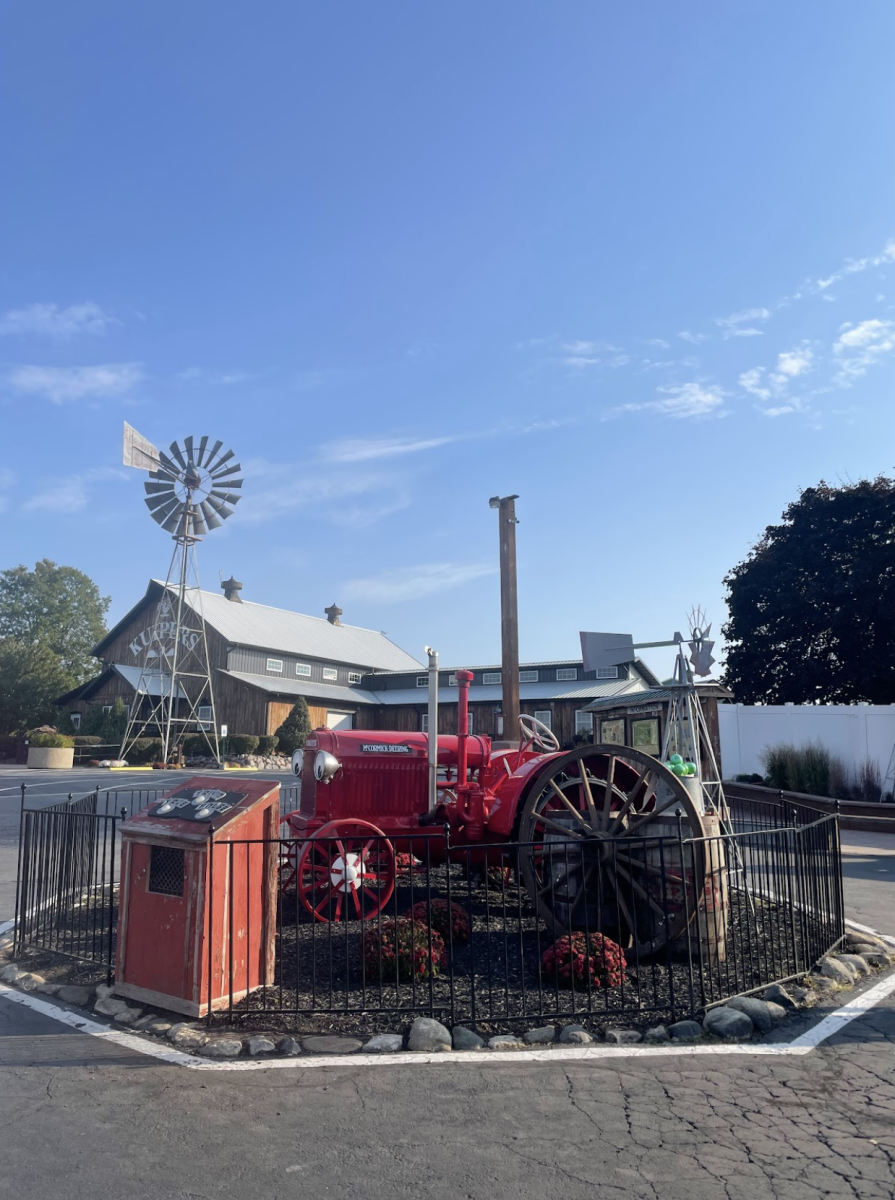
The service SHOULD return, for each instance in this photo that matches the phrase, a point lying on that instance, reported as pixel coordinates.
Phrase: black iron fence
(365, 932)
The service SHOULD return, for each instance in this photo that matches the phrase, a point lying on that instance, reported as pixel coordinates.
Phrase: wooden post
(509, 616)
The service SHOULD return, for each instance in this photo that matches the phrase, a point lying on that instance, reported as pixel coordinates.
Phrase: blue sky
(635, 263)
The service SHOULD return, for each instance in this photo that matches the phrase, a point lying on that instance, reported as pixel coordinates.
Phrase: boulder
(428, 1034)
(837, 971)
(657, 1034)
(622, 1037)
(505, 1041)
(575, 1035)
(778, 1012)
(10, 973)
(258, 1044)
(728, 1023)
(465, 1039)
(288, 1047)
(685, 1031)
(384, 1043)
(111, 1006)
(221, 1047)
(877, 958)
(29, 982)
(803, 996)
(103, 990)
(186, 1036)
(49, 989)
(778, 994)
(861, 948)
(758, 1011)
(857, 964)
(331, 1044)
(128, 1016)
(71, 993)
(855, 938)
(158, 1026)
(540, 1036)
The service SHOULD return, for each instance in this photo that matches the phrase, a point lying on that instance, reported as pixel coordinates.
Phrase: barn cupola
(333, 613)
(232, 587)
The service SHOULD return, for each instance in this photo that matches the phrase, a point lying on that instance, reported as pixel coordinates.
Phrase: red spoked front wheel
(346, 871)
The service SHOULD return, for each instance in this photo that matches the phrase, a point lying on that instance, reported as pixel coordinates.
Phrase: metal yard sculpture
(189, 491)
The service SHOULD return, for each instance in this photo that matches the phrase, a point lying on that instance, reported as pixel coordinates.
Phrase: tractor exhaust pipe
(433, 731)
(464, 679)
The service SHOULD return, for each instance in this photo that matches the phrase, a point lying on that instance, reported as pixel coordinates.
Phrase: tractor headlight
(298, 762)
(325, 766)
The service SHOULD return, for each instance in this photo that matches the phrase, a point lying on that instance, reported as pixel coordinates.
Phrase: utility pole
(509, 613)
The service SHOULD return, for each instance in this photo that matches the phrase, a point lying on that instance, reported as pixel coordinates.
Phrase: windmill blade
(222, 461)
(221, 509)
(188, 446)
(169, 510)
(160, 474)
(210, 518)
(209, 459)
(178, 454)
(172, 467)
(227, 497)
(159, 487)
(153, 502)
(203, 442)
(217, 476)
(232, 483)
(173, 522)
(198, 524)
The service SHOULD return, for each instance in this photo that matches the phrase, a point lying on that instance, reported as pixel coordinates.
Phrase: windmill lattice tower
(189, 491)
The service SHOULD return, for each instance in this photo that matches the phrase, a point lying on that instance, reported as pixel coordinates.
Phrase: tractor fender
(509, 798)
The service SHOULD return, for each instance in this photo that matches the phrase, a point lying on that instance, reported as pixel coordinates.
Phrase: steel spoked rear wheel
(586, 852)
(346, 871)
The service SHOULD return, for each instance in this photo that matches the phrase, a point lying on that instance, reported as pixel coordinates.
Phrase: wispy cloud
(795, 362)
(351, 498)
(7, 478)
(413, 583)
(741, 324)
(681, 401)
(71, 493)
(660, 342)
(695, 339)
(774, 385)
(854, 266)
(352, 450)
(861, 346)
(200, 375)
(61, 384)
(49, 320)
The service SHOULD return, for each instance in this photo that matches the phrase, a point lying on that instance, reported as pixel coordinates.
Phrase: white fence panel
(854, 732)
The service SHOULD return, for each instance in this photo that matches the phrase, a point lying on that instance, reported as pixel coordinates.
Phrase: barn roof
(267, 628)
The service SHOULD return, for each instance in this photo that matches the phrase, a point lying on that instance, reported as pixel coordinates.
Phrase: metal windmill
(189, 491)
(686, 731)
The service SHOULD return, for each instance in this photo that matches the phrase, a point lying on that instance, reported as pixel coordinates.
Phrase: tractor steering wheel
(536, 734)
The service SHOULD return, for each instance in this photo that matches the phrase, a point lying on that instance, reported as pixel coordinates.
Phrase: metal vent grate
(166, 867)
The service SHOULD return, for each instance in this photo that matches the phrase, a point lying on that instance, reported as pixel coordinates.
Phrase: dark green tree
(30, 680)
(812, 607)
(57, 608)
(110, 726)
(294, 731)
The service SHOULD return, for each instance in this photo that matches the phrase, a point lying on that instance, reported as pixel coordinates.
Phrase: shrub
(144, 750)
(584, 960)
(242, 743)
(86, 739)
(267, 744)
(402, 950)
(443, 917)
(293, 733)
(196, 745)
(758, 780)
(51, 741)
(869, 781)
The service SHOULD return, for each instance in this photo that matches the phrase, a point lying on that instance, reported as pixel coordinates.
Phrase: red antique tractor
(598, 803)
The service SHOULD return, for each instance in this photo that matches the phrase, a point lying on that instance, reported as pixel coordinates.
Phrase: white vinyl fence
(854, 732)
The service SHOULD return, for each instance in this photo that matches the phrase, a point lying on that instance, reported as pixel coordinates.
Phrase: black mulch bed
(494, 983)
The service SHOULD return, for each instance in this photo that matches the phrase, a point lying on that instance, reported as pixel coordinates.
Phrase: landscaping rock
(805, 997)
(778, 994)
(110, 1006)
(685, 1031)
(103, 990)
(540, 1036)
(622, 1037)
(778, 1012)
(465, 1039)
(854, 938)
(222, 1047)
(261, 1045)
(288, 1047)
(30, 983)
(857, 964)
(838, 971)
(877, 958)
(861, 948)
(72, 994)
(384, 1043)
(186, 1036)
(427, 1034)
(331, 1044)
(129, 1017)
(728, 1023)
(758, 1011)
(159, 1027)
(505, 1041)
(48, 989)
(820, 983)
(575, 1035)
(144, 1021)
(658, 1033)
(10, 973)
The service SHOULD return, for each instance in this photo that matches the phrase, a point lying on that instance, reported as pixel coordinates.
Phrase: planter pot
(51, 757)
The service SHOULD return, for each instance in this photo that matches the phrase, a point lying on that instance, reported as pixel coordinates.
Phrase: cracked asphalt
(85, 1119)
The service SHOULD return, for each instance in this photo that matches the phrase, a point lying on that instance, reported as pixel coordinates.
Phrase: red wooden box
(205, 838)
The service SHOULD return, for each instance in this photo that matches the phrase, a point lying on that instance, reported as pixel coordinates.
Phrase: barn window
(528, 677)
(584, 722)
(303, 669)
(422, 681)
(354, 677)
(424, 722)
(470, 724)
(566, 673)
(491, 677)
(330, 673)
(107, 708)
(204, 715)
(75, 720)
(452, 681)
(166, 870)
(545, 716)
(607, 672)
(275, 664)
